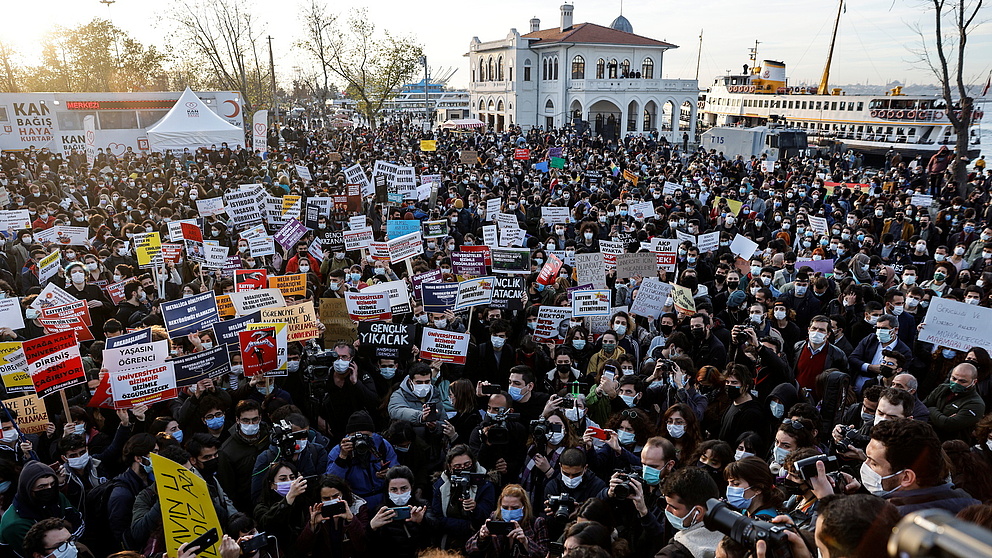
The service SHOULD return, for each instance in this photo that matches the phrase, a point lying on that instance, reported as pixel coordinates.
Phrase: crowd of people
(792, 393)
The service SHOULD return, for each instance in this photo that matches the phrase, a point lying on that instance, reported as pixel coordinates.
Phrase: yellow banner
(224, 307)
(684, 302)
(187, 511)
(148, 247)
(734, 205)
(428, 145)
(32, 417)
(291, 204)
(290, 285)
(14, 368)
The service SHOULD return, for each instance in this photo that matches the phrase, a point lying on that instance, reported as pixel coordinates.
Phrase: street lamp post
(427, 103)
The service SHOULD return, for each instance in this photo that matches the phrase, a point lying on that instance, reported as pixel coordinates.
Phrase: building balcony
(492, 86)
(635, 85)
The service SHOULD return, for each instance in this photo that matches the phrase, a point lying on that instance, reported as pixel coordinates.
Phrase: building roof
(622, 24)
(590, 33)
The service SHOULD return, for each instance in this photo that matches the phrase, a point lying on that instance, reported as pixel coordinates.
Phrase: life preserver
(911, 115)
(890, 114)
(874, 114)
(732, 89)
(900, 114)
(751, 89)
(938, 114)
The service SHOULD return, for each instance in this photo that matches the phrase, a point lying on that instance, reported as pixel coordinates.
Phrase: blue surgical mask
(651, 475)
(579, 344)
(387, 373)
(735, 497)
(516, 393)
(679, 522)
(215, 423)
(178, 435)
(625, 437)
(885, 336)
(511, 515)
(778, 409)
(628, 399)
(356, 277)
(779, 454)
(948, 353)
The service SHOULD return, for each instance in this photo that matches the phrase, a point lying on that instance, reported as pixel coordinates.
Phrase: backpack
(97, 512)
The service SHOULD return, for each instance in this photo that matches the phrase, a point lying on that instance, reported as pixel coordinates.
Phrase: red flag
(988, 84)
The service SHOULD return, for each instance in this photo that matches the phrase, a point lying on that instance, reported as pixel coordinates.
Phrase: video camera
(625, 489)
(747, 531)
(461, 483)
(540, 429)
(562, 505)
(498, 433)
(285, 439)
(806, 468)
(316, 364)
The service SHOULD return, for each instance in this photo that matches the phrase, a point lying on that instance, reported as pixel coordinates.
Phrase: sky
(874, 42)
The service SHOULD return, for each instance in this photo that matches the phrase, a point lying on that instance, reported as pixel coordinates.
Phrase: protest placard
(214, 257)
(261, 246)
(211, 363)
(957, 325)
(484, 250)
(642, 210)
(385, 340)
(356, 175)
(279, 334)
(650, 299)
(817, 223)
(922, 200)
(438, 297)
(432, 276)
(666, 252)
(210, 206)
(379, 251)
(444, 346)
(492, 208)
(246, 303)
(587, 303)
(474, 292)
(139, 374)
(10, 313)
(552, 215)
(508, 291)
(396, 228)
(590, 269)
(644, 264)
(13, 220)
(186, 504)
(357, 239)
(552, 324)
(143, 335)
(290, 233)
(171, 252)
(610, 252)
(250, 279)
(300, 319)
(259, 350)
(549, 271)
(54, 363)
(116, 290)
(708, 242)
(435, 229)
(291, 206)
(338, 326)
(512, 237)
(52, 295)
(684, 302)
(290, 285)
(670, 188)
(245, 207)
(48, 267)
(399, 295)
(64, 235)
(224, 307)
(14, 368)
(190, 314)
(32, 416)
(370, 306)
(467, 157)
(405, 247)
(74, 317)
(743, 246)
(468, 264)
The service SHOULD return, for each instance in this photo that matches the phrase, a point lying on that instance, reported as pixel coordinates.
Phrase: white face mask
(741, 454)
(10, 436)
(400, 499)
(78, 277)
(422, 390)
(576, 414)
(570, 482)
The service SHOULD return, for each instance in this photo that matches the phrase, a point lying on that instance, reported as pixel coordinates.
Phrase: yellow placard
(290, 203)
(148, 248)
(290, 285)
(428, 145)
(627, 175)
(300, 319)
(338, 326)
(225, 308)
(684, 302)
(187, 510)
(734, 205)
(32, 417)
(14, 368)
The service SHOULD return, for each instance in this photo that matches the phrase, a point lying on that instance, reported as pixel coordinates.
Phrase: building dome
(622, 24)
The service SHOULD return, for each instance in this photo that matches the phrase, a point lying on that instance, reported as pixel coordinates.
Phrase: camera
(567, 403)
(625, 489)
(852, 439)
(540, 428)
(498, 433)
(747, 531)
(807, 467)
(562, 505)
(362, 444)
(936, 532)
(316, 363)
(284, 438)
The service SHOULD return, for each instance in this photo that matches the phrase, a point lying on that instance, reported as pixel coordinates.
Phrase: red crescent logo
(237, 109)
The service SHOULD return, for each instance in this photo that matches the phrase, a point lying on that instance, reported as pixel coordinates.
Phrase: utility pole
(699, 54)
(427, 103)
(272, 70)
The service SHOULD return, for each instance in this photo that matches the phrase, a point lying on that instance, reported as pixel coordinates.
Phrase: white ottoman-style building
(585, 75)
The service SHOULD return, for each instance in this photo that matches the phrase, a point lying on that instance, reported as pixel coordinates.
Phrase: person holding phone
(513, 529)
(283, 509)
(609, 350)
(337, 524)
(388, 534)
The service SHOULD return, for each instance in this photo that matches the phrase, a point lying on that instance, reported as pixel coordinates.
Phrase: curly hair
(911, 444)
(643, 428)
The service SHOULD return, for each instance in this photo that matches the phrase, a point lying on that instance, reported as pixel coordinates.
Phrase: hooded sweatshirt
(25, 511)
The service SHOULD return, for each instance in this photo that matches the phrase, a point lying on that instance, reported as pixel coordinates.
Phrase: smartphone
(491, 390)
(500, 527)
(330, 509)
(556, 549)
(311, 480)
(254, 544)
(610, 371)
(599, 433)
(402, 513)
(204, 541)
(432, 415)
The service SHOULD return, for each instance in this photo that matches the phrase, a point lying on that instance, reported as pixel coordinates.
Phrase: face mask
(620, 329)
(679, 522)
(872, 320)
(885, 336)
(341, 365)
(755, 270)
(511, 515)
(400, 499)
(250, 429)
(676, 430)
(497, 342)
(422, 319)
(301, 445)
(625, 438)
(5, 486)
(387, 372)
(78, 462)
(957, 388)
(356, 277)
(516, 393)
(304, 269)
(778, 409)
(939, 258)
(283, 487)
(779, 314)
(215, 423)
(741, 454)
(779, 454)
(608, 348)
(735, 497)
(575, 414)
(817, 337)
(441, 323)
(422, 390)
(733, 391)
(872, 481)
(628, 399)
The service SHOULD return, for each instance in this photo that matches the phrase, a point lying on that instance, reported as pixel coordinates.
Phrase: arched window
(490, 71)
(527, 69)
(554, 68)
(647, 69)
(613, 68)
(600, 68)
(544, 69)
(482, 105)
(549, 106)
(499, 70)
(625, 68)
(578, 68)
(482, 70)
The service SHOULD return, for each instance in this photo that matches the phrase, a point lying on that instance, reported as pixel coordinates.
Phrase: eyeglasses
(629, 414)
(794, 423)
(62, 547)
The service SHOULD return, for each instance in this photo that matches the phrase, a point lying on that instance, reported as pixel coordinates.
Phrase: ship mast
(699, 53)
(822, 89)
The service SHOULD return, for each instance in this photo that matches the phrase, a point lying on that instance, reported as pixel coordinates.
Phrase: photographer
(565, 493)
(527, 534)
(340, 535)
(892, 404)
(669, 385)
(416, 400)
(686, 492)
(500, 441)
(283, 507)
(640, 506)
(291, 443)
(805, 488)
(362, 458)
(391, 535)
(549, 439)
(462, 497)
(347, 391)
(763, 356)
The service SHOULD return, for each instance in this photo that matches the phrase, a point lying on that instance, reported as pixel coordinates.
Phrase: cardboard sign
(300, 319)
(521, 154)
(644, 264)
(435, 229)
(957, 325)
(282, 344)
(474, 292)
(368, 306)
(817, 223)
(508, 292)
(10, 313)
(226, 331)
(432, 276)
(190, 314)
(250, 279)
(140, 375)
(211, 363)
(290, 233)
(399, 295)
(52, 295)
(246, 303)
(590, 269)
(684, 302)
(338, 326)
(405, 247)
(650, 299)
(358, 238)
(48, 267)
(642, 210)
(553, 215)
(210, 206)
(32, 417)
(74, 317)
(187, 509)
(428, 145)
(468, 157)
(552, 324)
(259, 351)
(224, 307)
(743, 246)
(444, 346)
(245, 207)
(14, 368)
(708, 242)
(468, 264)
(290, 285)
(438, 297)
(588, 303)
(385, 340)
(54, 363)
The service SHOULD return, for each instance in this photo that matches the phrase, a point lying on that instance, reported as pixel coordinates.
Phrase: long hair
(515, 491)
(758, 476)
(692, 437)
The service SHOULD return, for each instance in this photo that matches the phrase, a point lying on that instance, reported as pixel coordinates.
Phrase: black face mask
(792, 488)
(732, 285)
(666, 330)
(733, 391)
(698, 332)
(210, 467)
(47, 496)
(564, 368)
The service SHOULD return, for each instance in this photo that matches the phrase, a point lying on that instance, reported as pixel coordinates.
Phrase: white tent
(190, 123)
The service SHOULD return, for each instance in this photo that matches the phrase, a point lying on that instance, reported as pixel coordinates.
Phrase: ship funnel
(770, 78)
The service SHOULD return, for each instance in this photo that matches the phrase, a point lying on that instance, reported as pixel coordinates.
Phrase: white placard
(650, 299)
(957, 325)
(743, 246)
(818, 224)
(709, 241)
(210, 206)
(552, 215)
(588, 303)
(642, 210)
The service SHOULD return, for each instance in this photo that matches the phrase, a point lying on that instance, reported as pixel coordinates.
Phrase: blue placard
(439, 297)
(226, 332)
(396, 228)
(143, 335)
(192, 368)
(190, 315)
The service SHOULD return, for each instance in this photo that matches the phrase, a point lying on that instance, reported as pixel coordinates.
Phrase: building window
(556, 68)
(600, 68)
(647, 69)
(482, 70)
(613, 68)
(527, 69)
(625, 68)
(578, 68)
(544, 69)
(499, 69)
(491, 71)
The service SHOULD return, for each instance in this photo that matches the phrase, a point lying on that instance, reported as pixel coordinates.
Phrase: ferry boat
(872, 124)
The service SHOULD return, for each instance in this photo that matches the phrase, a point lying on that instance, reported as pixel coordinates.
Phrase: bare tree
(372, 68)
(227, 36)
(320, 28)
(960, 16)
(8, 80)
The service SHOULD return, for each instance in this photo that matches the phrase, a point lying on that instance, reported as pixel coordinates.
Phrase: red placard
(116, 290)
(250, 279)
(54, 363)
(72, 317)
(172, 252)
(549, 272)
(191, 232)
(521, 154)
(484, 249)
(259, 352)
